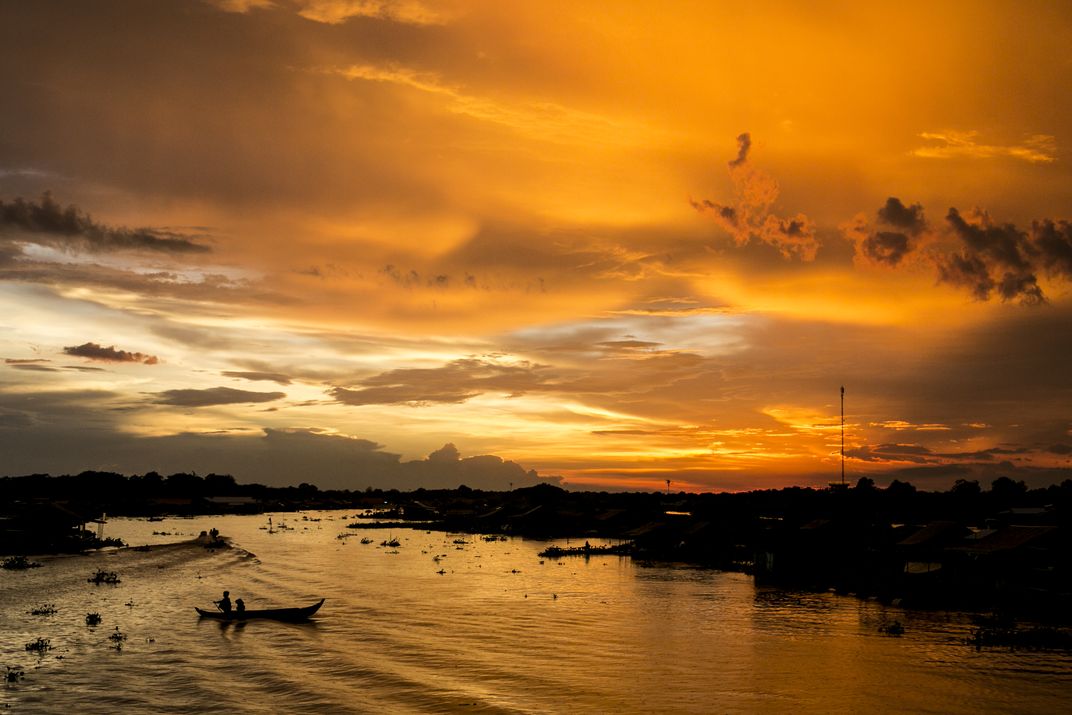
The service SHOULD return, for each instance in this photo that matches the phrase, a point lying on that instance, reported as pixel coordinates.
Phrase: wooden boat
(277, 614)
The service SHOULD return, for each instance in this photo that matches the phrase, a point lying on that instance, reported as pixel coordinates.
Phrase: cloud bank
(214, 396)
(48, 223)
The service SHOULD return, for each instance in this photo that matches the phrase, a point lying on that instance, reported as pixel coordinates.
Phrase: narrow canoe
(278, 614)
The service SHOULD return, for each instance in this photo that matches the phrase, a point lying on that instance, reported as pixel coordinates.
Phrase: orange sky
(614, 243)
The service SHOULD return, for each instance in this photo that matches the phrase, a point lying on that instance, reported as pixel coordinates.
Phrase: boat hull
(275, 614)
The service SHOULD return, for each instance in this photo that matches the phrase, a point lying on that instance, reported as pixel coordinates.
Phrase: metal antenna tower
(842, 434)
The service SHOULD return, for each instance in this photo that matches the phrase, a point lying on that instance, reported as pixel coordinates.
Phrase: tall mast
(842, 434)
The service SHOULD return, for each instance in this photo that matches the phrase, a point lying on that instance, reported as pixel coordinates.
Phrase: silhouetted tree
(899, 488)
(963, 488)
(1006, 491)
(183, 484)
(220, 484)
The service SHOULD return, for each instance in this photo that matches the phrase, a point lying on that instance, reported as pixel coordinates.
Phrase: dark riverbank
(1005, 548)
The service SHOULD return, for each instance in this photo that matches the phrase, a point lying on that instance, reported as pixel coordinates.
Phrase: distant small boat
(277, 614)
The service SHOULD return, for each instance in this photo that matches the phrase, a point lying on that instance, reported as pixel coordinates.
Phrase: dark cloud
(214, 396)
(1003, 244)
(892, 453)
(886, 247)
(986, 258)
(994, 257)
(895, 235)
(33, 367)
(259, 376)
(68, 228)
(628, 345)
(918, 454)
(93, 351)
(726, 214)
(454, 382)
(967, 272)
(906, 218)
(749, 219)
(1052, 240)
(414, 279)
(744, 143)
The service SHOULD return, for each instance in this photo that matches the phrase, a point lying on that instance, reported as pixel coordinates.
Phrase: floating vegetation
(393, 543)
(46, 609)
(14, 675)
(19, 563)
(366, 540)
(554, 552)
(117, 638)
(892, 629)
(93, 619)
(41, 645)
(103, 576)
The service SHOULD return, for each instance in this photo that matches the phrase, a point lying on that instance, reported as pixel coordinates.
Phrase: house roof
(1010, 538)
(937, 533)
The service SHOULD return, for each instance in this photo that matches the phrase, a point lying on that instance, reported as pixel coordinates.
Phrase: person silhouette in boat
(224, 604)
(239, 607)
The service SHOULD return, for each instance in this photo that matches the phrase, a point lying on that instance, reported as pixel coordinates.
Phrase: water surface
(480, 626)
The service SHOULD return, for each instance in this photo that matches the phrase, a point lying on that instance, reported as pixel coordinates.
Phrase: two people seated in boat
(224, 604)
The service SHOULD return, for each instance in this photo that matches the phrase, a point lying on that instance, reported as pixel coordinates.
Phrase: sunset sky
(402, 243)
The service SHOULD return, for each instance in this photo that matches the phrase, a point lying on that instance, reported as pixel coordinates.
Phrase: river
(455, 623)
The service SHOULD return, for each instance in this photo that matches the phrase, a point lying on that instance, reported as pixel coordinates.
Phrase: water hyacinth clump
(117, 638)
(93, 619)
(18, 563)
(102, 576)
(45, 609)
(14, 674)
(40, 645)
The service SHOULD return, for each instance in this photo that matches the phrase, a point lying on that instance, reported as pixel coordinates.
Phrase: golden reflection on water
(479, 626)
